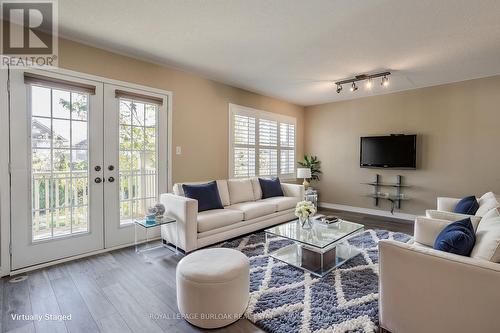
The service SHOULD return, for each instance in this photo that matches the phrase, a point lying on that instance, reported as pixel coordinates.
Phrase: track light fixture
(369, 81)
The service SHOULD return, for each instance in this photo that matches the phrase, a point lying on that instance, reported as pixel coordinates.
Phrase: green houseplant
(312, 163)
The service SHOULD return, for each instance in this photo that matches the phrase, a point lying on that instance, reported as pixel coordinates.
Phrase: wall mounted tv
(396, 151)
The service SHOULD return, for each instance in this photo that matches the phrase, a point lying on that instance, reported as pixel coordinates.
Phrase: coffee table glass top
(320, 235)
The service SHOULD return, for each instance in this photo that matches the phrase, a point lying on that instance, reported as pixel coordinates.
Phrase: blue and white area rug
(284, 299)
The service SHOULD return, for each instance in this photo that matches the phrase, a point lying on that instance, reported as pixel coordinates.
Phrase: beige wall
(458, 127)
(200, 107)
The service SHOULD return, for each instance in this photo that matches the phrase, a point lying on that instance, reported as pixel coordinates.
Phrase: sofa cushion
(257, 191)
(458, 238)
(221, 186)
(240, 190)
(488, 240)
(271, 187)
(206, 194)
(467, 205)
(254, 209)
(282, 203)
(218, 218)
(487, 205)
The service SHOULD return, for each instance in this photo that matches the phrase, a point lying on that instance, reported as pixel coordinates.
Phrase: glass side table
(149, 225)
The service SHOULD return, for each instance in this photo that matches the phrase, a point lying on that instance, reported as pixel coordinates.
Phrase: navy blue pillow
(467, 205)
(458, 238)
(270, 187)
(207, 195)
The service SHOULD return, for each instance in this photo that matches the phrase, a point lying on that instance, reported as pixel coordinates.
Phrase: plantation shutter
(261, 143)
(244, 146)
(287, 148)
(268, 147)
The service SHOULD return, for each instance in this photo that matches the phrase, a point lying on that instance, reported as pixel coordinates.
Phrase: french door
(86, 160)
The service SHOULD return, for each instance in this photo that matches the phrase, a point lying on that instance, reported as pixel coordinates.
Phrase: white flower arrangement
(304, 209)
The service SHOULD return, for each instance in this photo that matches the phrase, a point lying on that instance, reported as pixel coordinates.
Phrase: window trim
(235, 109)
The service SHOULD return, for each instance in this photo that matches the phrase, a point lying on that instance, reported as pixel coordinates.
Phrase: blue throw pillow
(270, 187)
(207, 195)
(458, 238)
(467, 205)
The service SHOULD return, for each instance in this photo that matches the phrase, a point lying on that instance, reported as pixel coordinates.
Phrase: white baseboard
(369, 211)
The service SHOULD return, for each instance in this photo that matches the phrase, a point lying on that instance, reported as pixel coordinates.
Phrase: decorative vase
(305, 222)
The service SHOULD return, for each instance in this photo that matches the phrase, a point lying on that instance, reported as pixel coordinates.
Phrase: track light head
(369, 84)
(354, 87)
(385, 81)
(339, 88)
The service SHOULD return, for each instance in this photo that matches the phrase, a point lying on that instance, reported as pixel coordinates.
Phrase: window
(261, 143)
(59, 162)
(137, 158)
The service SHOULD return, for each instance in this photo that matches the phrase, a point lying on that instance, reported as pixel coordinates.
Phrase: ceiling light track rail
(364, 77)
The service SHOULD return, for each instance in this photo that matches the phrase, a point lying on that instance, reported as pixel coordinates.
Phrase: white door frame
(5, 222)
(116, 234)
(4, 175)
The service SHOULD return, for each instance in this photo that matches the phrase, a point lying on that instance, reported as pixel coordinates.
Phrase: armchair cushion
(440, 215)
(270, 187)
(487, 205)
(488, 240)
(427, 229)
(457, 238)
(446, 204)
(467, 205)
(207, 195)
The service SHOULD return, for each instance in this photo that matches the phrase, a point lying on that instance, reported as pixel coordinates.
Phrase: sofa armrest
(446, 204)
(427, 229)
(441, 215)
(425, 290)
(185, 211)
(293, 190)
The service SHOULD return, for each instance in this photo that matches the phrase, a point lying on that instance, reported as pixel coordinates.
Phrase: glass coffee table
(317, 250)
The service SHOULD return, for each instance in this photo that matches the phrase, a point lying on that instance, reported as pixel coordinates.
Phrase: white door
(56, 166)
(135, 158)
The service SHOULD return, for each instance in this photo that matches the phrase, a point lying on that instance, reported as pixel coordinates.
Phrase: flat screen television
(390, 151)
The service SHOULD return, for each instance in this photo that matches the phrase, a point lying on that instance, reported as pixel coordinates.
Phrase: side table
(149, 225)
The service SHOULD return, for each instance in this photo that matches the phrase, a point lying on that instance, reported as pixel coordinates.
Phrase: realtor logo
(29, 33)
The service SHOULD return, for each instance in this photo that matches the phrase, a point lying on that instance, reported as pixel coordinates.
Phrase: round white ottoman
(213, 287)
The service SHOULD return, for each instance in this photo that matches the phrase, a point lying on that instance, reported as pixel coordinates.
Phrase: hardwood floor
(119, 291)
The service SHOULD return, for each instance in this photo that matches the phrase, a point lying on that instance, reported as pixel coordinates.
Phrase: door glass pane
(138, 133)
(59, 162)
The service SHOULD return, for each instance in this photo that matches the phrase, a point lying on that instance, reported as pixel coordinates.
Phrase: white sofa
(426, 290)
(244, 212)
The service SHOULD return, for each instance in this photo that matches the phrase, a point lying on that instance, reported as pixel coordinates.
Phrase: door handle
(98, 180)
(97, 168)
(111, 167)
(111, 179)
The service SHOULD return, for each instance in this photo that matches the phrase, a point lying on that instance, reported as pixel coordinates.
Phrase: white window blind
(244, 145)
(261, 143)
(287, 152)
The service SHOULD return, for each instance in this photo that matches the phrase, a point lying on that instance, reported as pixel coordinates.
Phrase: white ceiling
(294, 49)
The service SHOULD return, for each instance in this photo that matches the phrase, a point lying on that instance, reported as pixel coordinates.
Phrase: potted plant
(312, 162)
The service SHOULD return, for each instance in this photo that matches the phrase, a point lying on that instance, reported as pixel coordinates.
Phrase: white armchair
(426, 290)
